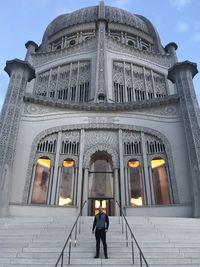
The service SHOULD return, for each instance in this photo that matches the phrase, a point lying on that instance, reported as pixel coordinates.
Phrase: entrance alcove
(101, 184)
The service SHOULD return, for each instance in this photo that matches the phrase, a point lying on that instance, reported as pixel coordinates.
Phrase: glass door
(100, 185)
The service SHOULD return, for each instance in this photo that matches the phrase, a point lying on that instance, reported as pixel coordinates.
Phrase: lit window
(160, 181)
(41, 181)
(66, 185)
(136, 185)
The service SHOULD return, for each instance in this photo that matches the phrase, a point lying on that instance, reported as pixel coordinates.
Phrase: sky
(22, 20)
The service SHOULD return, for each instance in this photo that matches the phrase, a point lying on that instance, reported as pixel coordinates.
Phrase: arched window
(160, 181)
(66, 183)
(136, 189)
(41, 181)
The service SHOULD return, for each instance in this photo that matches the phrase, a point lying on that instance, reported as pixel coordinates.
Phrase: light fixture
(157, 163)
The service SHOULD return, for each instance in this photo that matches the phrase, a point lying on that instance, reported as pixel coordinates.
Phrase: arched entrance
(101, 184)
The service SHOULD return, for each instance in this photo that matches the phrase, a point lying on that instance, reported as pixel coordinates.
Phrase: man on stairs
(101, 224)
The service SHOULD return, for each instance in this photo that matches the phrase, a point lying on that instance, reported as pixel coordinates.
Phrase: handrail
(61, 257)
(133, 237)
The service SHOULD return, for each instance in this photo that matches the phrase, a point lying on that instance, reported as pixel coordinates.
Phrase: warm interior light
(44, 162)
(157, 163)
(65, 201)
(68, 163)
(97, 204)
(134, 164)
(136, 201)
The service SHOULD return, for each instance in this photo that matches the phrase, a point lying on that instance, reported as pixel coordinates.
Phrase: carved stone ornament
(102, 148)
(161, 59)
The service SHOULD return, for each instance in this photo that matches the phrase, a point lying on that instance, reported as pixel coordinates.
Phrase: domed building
(100, 112)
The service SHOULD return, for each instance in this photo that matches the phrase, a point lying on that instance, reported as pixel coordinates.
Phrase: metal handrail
(132, 238)
(69, 239)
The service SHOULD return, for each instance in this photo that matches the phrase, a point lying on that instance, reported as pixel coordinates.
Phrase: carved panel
(101, 137)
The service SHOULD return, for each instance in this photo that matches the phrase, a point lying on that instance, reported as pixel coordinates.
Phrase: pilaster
(20, 73)
(121, 162)
(80, 170)
(181, 74)
(101, 66)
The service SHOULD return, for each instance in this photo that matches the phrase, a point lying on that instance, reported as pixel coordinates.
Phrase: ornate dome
(91, 14)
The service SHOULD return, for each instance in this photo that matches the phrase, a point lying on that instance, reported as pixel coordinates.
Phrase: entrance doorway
(101, 184)
(106, 204)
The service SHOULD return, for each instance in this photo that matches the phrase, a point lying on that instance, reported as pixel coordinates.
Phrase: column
(55, 174)
(80, 170)
(101, 54)
(122, 185)
(75, 186)
(146, 173)
(20, 73)
(32, 182)
(116, 191)
(182, 74)
(126, 186)
(85, 191)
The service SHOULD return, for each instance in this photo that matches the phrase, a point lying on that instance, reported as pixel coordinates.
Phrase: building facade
(100, 112)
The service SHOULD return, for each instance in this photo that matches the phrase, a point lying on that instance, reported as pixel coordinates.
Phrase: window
(160, 181)
(136, 194)
(66, 184)
(41, 181)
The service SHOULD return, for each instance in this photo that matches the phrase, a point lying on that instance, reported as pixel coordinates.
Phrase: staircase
(37, 242)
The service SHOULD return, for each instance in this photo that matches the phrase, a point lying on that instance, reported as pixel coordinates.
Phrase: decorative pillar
(100, 69)
(146, 174)
(126, 186)
(55, 181)
(20, 73)
(85, 190)
(181, 74)
(116, 191)
(122, 185)
(80, 170)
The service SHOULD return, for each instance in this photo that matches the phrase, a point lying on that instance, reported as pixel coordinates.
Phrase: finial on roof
(101, 10)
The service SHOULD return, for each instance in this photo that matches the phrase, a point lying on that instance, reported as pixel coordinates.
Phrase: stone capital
(170, 46)
(15, 64)
(181, 67)
(31, 44)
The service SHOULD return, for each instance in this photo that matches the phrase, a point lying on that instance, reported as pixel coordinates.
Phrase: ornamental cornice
(151, 103)
(45, 57)
(164, 60)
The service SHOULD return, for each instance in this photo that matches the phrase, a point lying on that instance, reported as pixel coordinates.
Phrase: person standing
(100, 225)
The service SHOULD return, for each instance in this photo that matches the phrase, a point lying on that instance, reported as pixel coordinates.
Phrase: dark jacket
(101, 221)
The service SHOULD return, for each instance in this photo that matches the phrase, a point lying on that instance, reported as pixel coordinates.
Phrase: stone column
(146, 174)
(116, 190)
(20, 73)
(55, 180)
(85, 191)
(181, 74)
(122, 184)
(80, 170)
(101, 55)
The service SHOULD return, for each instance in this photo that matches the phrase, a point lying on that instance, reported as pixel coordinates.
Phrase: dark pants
(100, 234)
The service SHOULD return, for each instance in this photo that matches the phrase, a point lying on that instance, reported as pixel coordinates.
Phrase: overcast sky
(22, 20)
